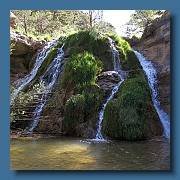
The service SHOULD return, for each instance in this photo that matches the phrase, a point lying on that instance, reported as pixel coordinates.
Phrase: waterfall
(151, 74)
(39, 60)
(48, 80)
(122, 74)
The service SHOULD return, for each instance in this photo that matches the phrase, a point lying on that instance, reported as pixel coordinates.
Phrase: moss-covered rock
(129, 60)
(132, 116)
(81, 70)
(81, 111)
(129, 116)
(94, 43)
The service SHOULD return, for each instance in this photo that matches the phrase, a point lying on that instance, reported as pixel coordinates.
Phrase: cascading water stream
(122, 74)
(39, 60)
(151, 74)
(48, 80)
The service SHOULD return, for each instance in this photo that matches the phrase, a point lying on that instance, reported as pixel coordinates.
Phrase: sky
(117, 18)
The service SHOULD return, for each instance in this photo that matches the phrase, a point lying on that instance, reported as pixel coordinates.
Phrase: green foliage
(123, 123)
(130, 61)
(54, 22)
(52, 54)
(73, 110)
(134, 92)
(104, 27)
(141, 19)
(50, 22)
(24, 97)
(128, 117)
(12, 70)
(81, 70)
(79, 109)
(92, 42)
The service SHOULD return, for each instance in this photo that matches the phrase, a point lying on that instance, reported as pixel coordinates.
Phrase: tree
(141, 19)
(105, 27)
(93, 17)
(49, 22)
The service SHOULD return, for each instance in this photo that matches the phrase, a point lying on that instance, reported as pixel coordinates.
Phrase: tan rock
(155, 46)
(12, 21)
(108, 80)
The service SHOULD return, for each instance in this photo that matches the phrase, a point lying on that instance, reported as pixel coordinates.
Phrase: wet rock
(155, 46)
(108, 80)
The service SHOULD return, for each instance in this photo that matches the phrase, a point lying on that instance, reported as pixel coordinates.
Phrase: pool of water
(62, 153)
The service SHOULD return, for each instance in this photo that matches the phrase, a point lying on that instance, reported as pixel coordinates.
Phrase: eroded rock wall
(155, 46)
(24, 51)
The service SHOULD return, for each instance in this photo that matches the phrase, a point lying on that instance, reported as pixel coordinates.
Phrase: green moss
(26, 88)
(74, 110)
(80, 108)
(129, 117)
(12, 70)
(134, 92)
(52, 54)
(123, 123)
(130, 61)
(93, 43)
(81, 70)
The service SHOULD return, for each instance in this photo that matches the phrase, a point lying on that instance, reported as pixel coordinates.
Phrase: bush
(81, 70)
(130, 117)
(134, 92)
(79, 109)
(74, 110)
(93, 43)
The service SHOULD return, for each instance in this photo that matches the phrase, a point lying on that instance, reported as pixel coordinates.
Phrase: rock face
(12, 21)
(23, 54)
(24, 51)
(108, 80)
(155, 46)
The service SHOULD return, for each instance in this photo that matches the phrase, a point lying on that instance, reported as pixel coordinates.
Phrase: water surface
(64, 153)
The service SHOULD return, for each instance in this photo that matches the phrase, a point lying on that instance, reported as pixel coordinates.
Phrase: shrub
(80, 108)
(74, 110)
(81, 70)
(93, 43)
(129, 117)
(134, 92)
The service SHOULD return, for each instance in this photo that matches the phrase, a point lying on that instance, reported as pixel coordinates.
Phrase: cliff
(24, 51)
(155, 46)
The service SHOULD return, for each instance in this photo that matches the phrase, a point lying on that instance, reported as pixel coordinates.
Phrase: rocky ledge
(23, 54)
(108, 80)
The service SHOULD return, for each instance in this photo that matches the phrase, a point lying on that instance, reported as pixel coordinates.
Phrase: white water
(39, 60)
(48, 79)
(151, 74)
(122, 74)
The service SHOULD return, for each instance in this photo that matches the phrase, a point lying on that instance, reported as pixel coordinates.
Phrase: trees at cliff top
(141, 19)
(54, 22)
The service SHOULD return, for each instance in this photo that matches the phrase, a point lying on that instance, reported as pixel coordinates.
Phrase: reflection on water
(79, 154)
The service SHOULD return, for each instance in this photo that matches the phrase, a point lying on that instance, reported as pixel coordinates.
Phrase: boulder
(24, 51)
(108, 80)
(24, 44)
